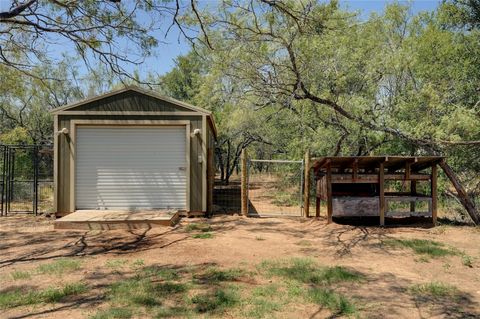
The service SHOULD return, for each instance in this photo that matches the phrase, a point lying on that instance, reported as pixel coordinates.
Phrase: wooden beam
(244, 190)
(306, 188)
(462, 195)
(381, 181)
(329, 193)
(373, 178)
(317, 207)
(434, 193)
(413, 192)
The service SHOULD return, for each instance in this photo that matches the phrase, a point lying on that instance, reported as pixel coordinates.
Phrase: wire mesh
(26, 184)
(227, 196)
(275, 187)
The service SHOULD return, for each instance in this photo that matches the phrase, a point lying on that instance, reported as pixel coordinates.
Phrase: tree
(25, 105)
(390, 84)
(112, 32)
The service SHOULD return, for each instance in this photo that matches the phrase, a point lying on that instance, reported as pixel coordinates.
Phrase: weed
(467, 260)
(113, 313)
(19, 275)
(434, 289)
(214, 274)
(56, 295)
(217, 301)
(203, 235)
(18, 297)
(142, 292)
(203, 227)
(170, 288)
(116, 263)
(446, 267)
(422, 246)
(133, 292)
(171, 312)
(259, 238)
(331, 300)
(304, 243)
(264, 300)
(307, 271)
(161, 272)
(138, 263)
(423, 259)
(60, 266)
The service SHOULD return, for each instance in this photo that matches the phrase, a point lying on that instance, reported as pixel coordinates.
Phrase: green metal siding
(130, 102)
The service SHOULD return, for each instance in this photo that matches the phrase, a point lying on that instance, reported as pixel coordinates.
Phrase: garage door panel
(130, 168)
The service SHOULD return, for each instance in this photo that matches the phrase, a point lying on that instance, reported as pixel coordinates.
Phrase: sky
(166, 53)
(163, 59)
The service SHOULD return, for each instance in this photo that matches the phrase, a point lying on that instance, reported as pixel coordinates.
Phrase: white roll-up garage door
(130, 168)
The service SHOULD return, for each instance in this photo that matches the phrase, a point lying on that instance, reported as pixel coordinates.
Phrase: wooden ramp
(110, 220)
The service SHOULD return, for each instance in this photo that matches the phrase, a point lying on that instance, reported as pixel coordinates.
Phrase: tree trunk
(463, 197)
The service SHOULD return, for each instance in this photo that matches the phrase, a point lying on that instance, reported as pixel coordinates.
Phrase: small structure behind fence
(26, 183)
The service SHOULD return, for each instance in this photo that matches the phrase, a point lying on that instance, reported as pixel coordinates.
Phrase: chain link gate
(26, 184)
(275, 187)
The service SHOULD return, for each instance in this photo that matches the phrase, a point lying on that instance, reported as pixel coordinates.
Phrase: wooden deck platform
(110, 220)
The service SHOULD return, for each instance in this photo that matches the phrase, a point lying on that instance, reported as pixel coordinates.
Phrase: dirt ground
(27, 242)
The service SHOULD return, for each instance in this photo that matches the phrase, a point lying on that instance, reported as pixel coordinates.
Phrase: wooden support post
(244, 189)
(408, 170)
(413, 192)
(434, 194)
(355, 170)
(381, 188)
(210, 180)
(317, 207)
(329, 193)
(306, 188)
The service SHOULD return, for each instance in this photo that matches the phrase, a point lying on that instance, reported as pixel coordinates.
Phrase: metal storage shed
(133, 149)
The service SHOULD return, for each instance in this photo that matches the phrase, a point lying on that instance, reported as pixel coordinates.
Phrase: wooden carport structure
(355, 185)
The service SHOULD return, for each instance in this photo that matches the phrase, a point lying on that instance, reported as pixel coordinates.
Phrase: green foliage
(142, 291)
(215, 275)
(217, 301)
(17, 298)
(116, 263)
(113, 313)
(305, 270)
(467, 260)
(203, 227)
(422, 246)
(161, 272)
(20, 275)
(331, 300)
(60, 266)
(18, 135)
(435, 290)
(393, 83)
(302, 280)
(203, 236)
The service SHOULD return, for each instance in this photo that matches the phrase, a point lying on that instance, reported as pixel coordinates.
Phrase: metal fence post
(244, 190)
(306, 194)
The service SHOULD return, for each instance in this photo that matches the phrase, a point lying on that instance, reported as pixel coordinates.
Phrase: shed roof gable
(130, 99)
